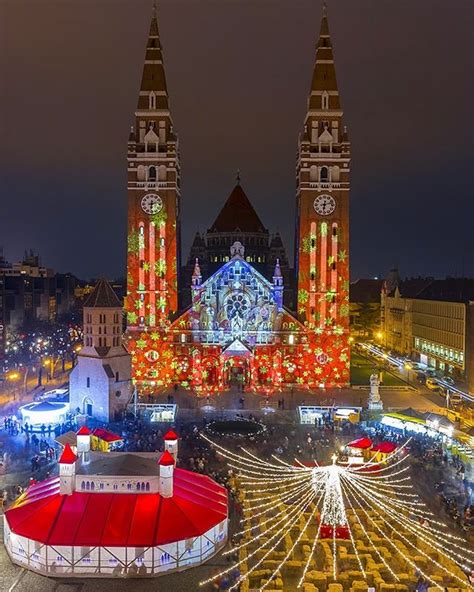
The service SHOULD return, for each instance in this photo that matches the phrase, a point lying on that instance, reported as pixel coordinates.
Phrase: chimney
(166, 465)
(171, 444)
(67, 471)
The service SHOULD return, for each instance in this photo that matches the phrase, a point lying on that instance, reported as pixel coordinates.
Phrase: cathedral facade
(239, 323)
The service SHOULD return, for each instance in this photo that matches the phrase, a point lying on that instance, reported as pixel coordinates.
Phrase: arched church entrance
(87, 406)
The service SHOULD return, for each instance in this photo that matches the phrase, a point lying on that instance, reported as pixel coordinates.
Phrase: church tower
(322, 227)
(153, 199)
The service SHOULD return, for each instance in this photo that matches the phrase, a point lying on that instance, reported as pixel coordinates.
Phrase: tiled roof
(102, 296)
(238, 215)
(365, 290)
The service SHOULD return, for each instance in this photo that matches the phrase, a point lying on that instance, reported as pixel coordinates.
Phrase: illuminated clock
(152, 203)
(324, 205)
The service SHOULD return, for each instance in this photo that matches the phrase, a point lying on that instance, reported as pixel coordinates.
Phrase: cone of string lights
(338, 523)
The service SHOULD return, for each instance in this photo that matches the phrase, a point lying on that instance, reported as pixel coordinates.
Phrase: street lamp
(47, 364)
(408, 367)
(13, 377)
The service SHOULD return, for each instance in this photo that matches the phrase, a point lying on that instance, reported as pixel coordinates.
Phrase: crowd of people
(288, 439)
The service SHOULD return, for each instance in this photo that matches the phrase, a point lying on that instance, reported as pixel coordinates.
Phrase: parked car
(447, 380)
(432, 384)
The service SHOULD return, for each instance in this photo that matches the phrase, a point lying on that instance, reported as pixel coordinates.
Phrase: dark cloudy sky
(238, 74)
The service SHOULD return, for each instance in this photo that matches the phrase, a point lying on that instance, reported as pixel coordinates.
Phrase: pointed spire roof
(153, 77)
(67, 457)
(324, 73)
(238, 215)
(166, 460)
(102, 296)
(276, 241)
(171, 435)
(198, 240)
(277, 272)
(196, 273)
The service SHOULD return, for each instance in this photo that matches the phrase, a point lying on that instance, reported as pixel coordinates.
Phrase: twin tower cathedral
(236, 313)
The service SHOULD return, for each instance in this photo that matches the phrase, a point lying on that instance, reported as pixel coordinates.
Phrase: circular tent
(112, 533)
(44, 413)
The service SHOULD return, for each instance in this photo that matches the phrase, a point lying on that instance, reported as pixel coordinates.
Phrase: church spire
(324, 92)
(197, 277)
(153, 89)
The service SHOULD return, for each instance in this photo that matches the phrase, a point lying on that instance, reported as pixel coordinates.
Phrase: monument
(375, 402)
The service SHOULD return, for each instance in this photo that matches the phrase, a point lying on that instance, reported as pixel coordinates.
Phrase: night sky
(238, 75)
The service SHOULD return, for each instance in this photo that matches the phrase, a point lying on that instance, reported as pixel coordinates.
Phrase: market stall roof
(384, 447)
(67, 438)
(361, 443)
(84, 431)
(119, 519)
(105, 435)
(441, 419)
(410, 412)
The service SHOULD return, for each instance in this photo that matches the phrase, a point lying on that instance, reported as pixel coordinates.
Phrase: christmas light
(280, 495)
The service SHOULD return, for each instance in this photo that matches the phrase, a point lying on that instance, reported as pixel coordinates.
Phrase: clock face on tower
(324, 205)
(152, 203)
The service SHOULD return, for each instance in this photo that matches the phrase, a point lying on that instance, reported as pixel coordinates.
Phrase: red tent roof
(119, 519)
(362, 443)
(385, 447)
(170, 435)
(67, 457)
(166, 459)
(105, 435)
(84, 431)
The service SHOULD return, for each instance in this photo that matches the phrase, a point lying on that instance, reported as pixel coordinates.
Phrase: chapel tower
(322, 225)
(153, 199)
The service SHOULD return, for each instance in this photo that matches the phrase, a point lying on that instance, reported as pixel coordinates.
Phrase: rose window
(237, 305)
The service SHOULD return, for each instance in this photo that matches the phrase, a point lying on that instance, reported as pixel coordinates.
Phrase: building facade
(237, 222)
(431, 322)
(238, 327)
(100, 384)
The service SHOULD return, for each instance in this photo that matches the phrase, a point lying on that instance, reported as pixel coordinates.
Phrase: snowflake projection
(368, 513)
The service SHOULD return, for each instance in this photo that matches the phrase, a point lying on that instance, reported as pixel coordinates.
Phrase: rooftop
(102, 296)
(238, 215)
(120, 464)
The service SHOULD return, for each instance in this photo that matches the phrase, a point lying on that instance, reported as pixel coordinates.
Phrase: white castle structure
(117, 514)
(100, 385)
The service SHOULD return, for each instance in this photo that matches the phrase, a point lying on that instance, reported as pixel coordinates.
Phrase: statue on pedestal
(375, 402)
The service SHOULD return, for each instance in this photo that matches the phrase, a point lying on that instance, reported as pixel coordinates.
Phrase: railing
(151, 184)
(324, 185)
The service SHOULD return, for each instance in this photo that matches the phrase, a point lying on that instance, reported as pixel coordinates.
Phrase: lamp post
(408, 367)
(12, 378)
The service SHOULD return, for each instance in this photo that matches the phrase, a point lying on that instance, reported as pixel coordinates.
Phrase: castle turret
(166, 467)
(84, 444)
(67, 471)
(171, 443)
(278, 284)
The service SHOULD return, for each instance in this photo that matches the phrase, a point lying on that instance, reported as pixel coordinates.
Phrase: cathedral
(236, 313)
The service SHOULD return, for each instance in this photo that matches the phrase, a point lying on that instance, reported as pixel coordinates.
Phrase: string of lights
(323, 500)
